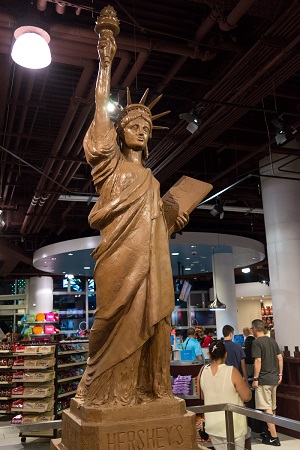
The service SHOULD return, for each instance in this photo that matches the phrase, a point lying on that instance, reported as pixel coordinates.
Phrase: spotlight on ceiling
(217, 210)
(31, 49)
(193, 120)
(284, 130)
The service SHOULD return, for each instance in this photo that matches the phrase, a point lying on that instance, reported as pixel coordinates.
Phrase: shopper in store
(191, 343)
(235, 353)
(200, 335)
(268, 367)
(129, 359)
(220, 383)
(249, 338)
(208, 338)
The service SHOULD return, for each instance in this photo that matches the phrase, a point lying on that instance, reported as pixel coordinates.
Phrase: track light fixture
(193, 119)
(284, 130)
(217, 210)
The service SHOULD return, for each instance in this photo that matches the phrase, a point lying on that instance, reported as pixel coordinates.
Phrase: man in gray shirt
(268, 366)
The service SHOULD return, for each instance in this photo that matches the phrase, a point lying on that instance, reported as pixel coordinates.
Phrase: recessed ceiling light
(187, 268)
(193, 246)
(175, 253)
(87, 267)
(246, 270)
(70, 254)
(253, 258)
(53, 259)
(64, 272)
(187, 258)
(203, 257)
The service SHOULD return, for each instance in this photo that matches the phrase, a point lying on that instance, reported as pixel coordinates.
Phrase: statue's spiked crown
(144, 110)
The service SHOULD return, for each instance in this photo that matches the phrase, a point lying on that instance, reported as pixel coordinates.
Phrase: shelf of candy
(32, 377)
(33, 364)
(71, 360)
(33, 350)
(33, 391)
(6, 362)
(5, 378)
(68, 349)
(67, 389)
(63, 404)
(5, 406)
(267, 315)
(40, 324)
(70, 374)
(5, 348)
(32, 406)
(29, 418)
(5, 393)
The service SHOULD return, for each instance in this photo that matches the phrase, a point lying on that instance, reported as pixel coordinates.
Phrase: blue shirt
(235, 354)
(194, 345)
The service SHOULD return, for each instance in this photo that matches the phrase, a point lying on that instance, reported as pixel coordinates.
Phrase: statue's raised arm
(107, 27)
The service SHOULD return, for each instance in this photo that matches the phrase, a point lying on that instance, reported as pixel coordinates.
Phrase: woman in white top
(220, 383)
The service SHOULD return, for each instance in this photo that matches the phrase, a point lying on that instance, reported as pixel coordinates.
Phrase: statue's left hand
(181, 221)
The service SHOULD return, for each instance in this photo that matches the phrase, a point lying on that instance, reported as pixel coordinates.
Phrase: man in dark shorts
(268, 366)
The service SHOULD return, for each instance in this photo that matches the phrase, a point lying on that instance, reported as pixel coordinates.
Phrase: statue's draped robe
(133, 272)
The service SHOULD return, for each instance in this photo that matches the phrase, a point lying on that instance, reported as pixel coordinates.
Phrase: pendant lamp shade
(31, 49)
(217, 305)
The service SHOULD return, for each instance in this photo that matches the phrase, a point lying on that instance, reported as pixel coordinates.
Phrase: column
(224, 286)
(282, 222)
(40, 295)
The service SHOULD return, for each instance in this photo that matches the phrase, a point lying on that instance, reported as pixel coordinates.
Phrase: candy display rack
(70, 365)
(32, 399)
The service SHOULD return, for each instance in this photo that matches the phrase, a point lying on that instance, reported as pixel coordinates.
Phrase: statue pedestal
(161, 424)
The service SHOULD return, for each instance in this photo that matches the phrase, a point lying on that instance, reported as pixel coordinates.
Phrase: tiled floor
(10, 440)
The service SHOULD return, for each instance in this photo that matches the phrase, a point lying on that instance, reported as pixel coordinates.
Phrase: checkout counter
(185, 368)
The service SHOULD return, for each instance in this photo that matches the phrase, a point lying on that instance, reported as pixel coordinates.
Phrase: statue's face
(136, 134)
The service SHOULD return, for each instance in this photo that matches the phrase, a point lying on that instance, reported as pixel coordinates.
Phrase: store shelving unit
(6, 382)
(34, 375)
(70, 365)
(43, 324)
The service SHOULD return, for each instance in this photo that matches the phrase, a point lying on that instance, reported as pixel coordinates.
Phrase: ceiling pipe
(181, 157)
(228, 85)
(87, 36)
(202, 31)
(21, 124)
(79, 92)
(238, 11)
(10, 122)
